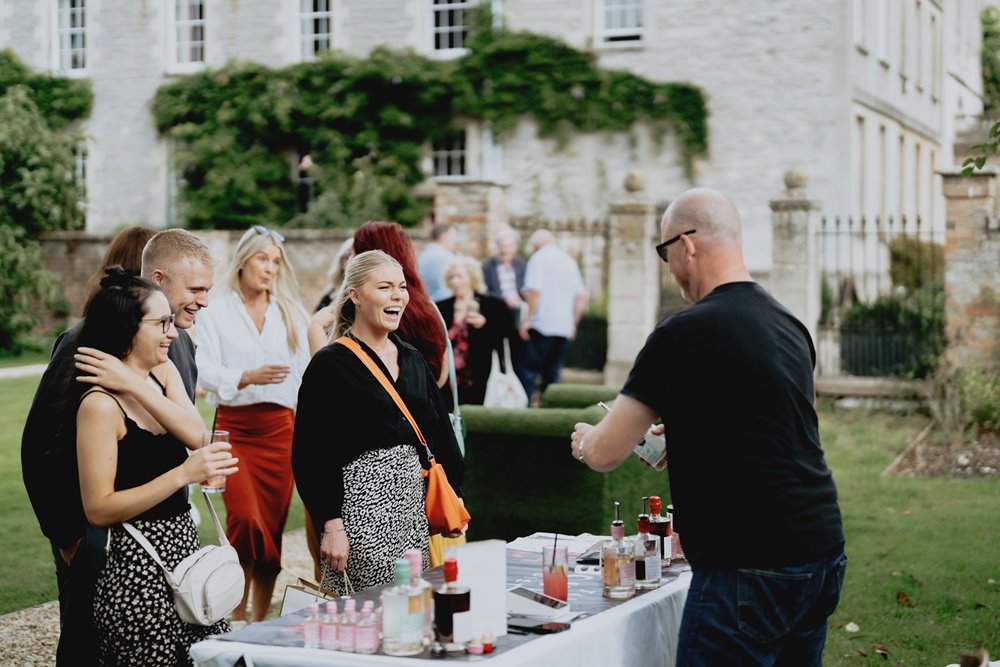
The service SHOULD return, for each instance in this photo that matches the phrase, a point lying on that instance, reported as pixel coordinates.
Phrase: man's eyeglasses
(661, 249)
(277, 236)
(165, 322)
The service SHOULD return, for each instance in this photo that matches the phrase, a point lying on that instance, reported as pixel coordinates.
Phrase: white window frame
(448, 155)
(63, 48)
(176, 23)
(308, 37)
(619, 36)
(436, 7)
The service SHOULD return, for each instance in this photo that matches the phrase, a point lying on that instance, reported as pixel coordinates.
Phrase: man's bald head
(708, 211)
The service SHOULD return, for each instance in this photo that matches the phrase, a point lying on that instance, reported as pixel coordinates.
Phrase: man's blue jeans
(760, 616)
(544, 355)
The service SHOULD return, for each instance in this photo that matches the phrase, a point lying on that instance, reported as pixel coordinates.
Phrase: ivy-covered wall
(367, 122)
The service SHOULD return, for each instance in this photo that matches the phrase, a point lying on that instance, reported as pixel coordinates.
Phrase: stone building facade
(864, 96)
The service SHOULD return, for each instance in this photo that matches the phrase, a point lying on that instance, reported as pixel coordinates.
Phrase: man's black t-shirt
(732, 378)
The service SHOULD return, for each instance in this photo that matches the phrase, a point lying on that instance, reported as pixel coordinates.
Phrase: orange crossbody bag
(445, 512)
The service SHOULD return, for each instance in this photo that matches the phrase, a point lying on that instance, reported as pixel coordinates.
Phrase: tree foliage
(990, 19)
(367, 122)
(24, 283)
(60, 101)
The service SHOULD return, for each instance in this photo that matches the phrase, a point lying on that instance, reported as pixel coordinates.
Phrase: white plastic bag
(503, 389)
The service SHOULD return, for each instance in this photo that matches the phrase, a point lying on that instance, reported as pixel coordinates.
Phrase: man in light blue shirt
(434, 259)
(556, 296)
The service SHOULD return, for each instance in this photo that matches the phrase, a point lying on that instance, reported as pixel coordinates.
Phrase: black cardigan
(482, 342)
(344, 412)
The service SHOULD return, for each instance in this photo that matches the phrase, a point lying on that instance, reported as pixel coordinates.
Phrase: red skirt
(257, 497)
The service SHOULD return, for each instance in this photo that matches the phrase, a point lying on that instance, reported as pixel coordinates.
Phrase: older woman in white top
(252, 350)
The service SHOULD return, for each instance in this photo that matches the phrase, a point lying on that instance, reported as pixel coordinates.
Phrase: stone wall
(972, 269)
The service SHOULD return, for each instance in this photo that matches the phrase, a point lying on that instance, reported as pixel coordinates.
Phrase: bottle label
(626, 573)
(411, 628)
(365, 637)
(651, 565)
(328, 636)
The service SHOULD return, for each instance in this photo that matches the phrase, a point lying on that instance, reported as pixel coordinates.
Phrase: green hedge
(577, 395)
(520, 476)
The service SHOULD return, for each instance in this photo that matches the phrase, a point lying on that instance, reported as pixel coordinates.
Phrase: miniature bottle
(618, 561)
(347, 626)
(311, 627)
(647, 553)
(328, 632)
(677, 553)
(660, 527)
(450, 599)
(416, 559)
(366, 636)
(402, 631)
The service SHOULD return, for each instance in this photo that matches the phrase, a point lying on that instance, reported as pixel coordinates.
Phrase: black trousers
(78, 642)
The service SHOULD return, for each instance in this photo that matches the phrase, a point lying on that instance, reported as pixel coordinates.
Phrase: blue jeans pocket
(768, 601)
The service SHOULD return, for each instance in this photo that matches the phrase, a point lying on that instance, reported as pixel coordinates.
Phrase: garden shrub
(24, 284)
(577, 395)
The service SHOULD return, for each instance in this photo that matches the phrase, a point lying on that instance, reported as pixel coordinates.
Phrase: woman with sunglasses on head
(134, 466)
(252, 349)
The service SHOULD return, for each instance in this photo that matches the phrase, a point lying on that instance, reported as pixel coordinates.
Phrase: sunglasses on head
(277, 236)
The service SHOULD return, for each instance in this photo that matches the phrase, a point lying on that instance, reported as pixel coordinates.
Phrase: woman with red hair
(421, 326)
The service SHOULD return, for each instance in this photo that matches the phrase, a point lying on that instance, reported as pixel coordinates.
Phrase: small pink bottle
(311, 627)
(328, 632)
(348, 626)
(366, 636)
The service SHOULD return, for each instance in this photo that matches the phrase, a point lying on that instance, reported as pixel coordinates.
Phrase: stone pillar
(972, 269)
(795, 273)
(476, 208)
(633, 278)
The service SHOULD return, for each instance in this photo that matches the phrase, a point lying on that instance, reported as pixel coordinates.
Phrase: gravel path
(28, 637)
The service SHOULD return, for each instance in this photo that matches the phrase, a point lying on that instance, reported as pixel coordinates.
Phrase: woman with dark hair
(421, 325)
(134, 466)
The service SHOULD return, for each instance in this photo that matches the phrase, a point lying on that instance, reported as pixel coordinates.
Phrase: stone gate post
(795, 274)
(972, 268)
(633, 278)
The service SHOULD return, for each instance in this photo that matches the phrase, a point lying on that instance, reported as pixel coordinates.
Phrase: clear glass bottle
(416, 559)
(311, 627)
(618, 561)
(660, 527)
(366, 635)
(450, 599)
(676, 552)
(402, 631)
(328, 633)
(347, 626)
(647, 553)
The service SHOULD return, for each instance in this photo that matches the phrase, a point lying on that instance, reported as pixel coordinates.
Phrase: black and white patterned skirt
(383, 514)
(134, 606)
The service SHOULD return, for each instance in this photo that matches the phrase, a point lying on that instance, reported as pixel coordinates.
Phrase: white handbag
(503, 388)
(208, 584)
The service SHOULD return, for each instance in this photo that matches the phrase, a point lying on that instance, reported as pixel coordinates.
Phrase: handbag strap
(384, 381)
(451, 365)
(151, 550)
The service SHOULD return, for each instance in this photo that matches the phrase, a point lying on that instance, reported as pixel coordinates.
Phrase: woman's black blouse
(344, 412)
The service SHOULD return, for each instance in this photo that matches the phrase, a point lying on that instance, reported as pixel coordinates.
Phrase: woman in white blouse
(252, 351)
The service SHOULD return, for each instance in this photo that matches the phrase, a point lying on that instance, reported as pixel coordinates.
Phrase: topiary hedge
(520, 476)
(577, 395)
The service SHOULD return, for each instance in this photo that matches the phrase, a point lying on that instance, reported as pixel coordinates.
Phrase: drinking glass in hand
(555, 572)
(215, 484)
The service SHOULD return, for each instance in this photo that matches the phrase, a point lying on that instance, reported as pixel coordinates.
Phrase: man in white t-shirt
(556, 296)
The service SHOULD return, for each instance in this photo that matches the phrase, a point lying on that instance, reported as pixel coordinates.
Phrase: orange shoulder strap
(384, 381)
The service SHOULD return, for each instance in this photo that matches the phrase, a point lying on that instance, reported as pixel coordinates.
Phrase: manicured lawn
(934, 540)
(26, 570)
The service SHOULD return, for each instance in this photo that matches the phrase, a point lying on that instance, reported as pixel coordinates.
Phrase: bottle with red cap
(659, 525)
(449, 600)
(647, 552)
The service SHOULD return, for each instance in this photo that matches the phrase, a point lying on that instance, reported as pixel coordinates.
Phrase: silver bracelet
(579, 453)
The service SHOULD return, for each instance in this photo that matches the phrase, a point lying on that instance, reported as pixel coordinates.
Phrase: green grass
(25, 359)
(935, 540)
(27, 574)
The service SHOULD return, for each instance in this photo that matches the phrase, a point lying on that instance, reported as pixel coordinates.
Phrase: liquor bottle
(416, 559)
(366, 636)
(647, 553)
(677, 553)
(618, 561)
(402, 632)
(347, 626)
(328, 633)
(450, 599)
(311, 627)
(660, 526)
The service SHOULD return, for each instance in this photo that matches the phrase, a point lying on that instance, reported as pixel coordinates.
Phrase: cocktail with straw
(555, 570)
